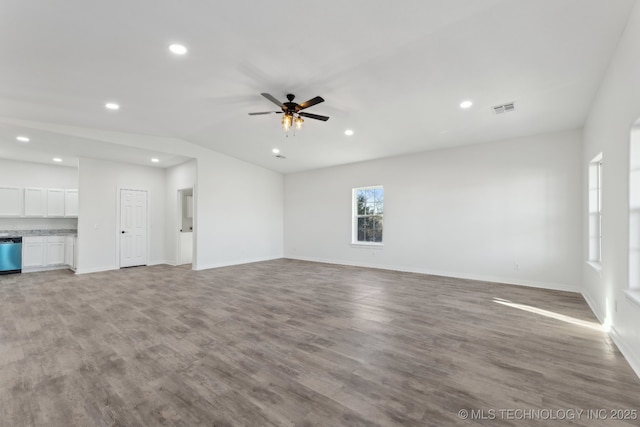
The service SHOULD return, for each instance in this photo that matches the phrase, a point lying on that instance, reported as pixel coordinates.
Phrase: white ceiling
(395, 73)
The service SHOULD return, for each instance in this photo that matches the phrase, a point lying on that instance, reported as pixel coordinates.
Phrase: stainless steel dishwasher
(10, 255)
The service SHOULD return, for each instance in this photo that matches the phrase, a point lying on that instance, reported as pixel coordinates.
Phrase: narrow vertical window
(368, 213)
(595, 210)
(634, 214)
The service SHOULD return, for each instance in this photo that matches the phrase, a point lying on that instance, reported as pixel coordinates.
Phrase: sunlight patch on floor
(551, 314)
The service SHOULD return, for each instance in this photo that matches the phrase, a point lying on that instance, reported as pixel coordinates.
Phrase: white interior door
(133, 228)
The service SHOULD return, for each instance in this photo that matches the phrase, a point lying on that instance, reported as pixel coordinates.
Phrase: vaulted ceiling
(394, 73)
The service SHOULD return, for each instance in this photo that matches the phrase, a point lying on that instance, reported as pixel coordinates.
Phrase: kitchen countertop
(37, 233)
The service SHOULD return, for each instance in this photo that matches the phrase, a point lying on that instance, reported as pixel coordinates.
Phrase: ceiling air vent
(504, 108)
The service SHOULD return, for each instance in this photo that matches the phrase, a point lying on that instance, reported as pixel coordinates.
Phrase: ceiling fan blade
(272, 99)
(310, 103)
(314, 116)
(265, 112)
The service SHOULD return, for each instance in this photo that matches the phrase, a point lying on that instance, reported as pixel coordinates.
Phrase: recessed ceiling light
(23, 138)
(275, 151)
(154, 160)
(348, 132)
(178, 49)
(466, 104)
(112, 106)
(57, 159)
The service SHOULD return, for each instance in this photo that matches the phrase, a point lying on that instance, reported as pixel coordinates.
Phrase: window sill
(367, 245)
(633, 295)
(595, 265)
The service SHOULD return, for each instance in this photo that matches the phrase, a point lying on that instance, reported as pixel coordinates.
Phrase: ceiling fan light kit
(287, 119)
(292, 111)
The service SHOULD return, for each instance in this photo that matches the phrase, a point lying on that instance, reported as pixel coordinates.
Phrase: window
(634, 215)
(595, 210)
(368, 212)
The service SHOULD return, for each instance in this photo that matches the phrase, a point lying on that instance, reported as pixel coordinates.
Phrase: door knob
(123, 231)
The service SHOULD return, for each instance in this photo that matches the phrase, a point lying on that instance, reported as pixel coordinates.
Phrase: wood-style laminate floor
(292, 343)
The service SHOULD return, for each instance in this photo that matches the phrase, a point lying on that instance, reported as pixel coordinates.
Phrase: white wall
(239, 212)
(239, 205)
(607, 130)
(38, 224)
(472, 212)
(98, 214)
(177, 177)
(15, 173)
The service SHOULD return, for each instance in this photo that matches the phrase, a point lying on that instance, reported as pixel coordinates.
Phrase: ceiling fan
(293, 113)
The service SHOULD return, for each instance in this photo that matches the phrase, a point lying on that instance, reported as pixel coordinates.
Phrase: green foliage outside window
(369, 213)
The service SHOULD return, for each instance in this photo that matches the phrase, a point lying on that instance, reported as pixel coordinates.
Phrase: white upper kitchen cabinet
(55, 202)
(71, 203)
(35, 202)
(11, 203)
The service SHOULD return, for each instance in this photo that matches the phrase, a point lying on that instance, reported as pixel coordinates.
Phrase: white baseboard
(175, 264)
(165, 262)
(51, 268)
(594, 307)
(632, 357)
(457, 275)
(172, 263)
(205, 267)
(627, 351)
(114, 267)
(95, 270)
(198, 267)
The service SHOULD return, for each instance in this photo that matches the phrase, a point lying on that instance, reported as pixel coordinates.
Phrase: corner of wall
(631, 356)
(591, 302)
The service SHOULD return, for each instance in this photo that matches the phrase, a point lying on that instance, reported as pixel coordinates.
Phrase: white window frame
(633, 291)
(355, 216)
(595, 212)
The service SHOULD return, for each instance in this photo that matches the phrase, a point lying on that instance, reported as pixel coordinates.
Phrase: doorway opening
(185, 226)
